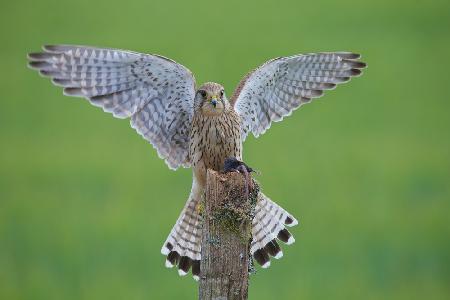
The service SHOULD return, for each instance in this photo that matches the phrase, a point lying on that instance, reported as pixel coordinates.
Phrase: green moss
(201, 208)
(251, 265)
(233, 215)
(214, 240)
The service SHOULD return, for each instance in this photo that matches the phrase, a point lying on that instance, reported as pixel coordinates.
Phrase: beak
(214, 102)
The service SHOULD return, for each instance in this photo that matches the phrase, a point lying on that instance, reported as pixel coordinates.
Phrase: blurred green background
(85, 203)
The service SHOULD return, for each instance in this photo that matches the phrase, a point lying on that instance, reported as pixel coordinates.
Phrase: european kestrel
(198, 127)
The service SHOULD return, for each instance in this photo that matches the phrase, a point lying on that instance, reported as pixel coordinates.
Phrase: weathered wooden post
(228, 213)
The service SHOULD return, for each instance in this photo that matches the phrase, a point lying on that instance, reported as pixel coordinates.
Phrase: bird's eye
(203, 93)
(221, 93)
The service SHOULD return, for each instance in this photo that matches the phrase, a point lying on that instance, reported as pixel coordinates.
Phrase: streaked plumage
(198, 128)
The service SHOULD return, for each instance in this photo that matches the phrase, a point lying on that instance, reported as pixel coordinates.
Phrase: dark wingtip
(355, 72)
(36, 65)
(60, 82)
(349, 55)
(45, 73)
(306, 100)
(329, 86)
(355, 64)
(57, 49)
(35, 56)
(360, 65)
(50, 48)
(342, 79)
(316, 93)
(71, 91)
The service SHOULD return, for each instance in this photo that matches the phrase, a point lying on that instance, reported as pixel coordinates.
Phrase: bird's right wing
(155, 92)
(281, 85)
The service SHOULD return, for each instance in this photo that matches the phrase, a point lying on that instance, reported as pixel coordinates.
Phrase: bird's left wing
(281, 85)
(155, 92)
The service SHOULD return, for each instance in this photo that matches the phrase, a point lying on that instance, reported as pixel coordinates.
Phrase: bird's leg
(233, 165)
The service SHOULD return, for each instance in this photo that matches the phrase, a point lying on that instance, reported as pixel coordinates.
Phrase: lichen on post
(228, 212)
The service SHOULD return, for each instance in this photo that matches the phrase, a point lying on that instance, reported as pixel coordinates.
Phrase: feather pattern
(281, 85)
(158, 95)
(155, 92)
(269, 220)
(184, 240)
(183, 245)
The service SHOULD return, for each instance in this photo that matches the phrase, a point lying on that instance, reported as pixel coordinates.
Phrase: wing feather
(155, 92)
(281, 85)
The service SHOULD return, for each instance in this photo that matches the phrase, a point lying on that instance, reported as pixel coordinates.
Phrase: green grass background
(85, 203)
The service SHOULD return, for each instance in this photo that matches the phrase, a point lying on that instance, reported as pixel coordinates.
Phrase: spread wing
(155, 92)
(282, 85)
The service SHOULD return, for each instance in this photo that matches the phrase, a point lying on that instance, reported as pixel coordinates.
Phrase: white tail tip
(279, 255)
(164, 250)
(168, 264)
(291, 240)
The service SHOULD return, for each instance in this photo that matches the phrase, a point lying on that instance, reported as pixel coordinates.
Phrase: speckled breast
(214, 138)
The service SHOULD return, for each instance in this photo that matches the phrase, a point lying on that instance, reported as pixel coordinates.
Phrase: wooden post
(226, 237)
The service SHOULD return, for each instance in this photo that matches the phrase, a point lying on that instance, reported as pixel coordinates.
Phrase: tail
(269, 224)
(183, 245)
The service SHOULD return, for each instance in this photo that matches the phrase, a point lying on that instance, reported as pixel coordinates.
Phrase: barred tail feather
(269, 225)
(183, 245)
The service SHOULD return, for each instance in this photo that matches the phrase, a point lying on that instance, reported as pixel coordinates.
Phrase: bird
(198, 126)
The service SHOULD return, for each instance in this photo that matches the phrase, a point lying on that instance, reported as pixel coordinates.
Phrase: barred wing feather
(281, 85)
(155, 92)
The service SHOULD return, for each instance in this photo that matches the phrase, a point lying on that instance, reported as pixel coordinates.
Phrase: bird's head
(211, 99)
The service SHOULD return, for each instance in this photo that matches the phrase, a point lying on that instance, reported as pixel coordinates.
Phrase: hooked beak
(214, 102)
